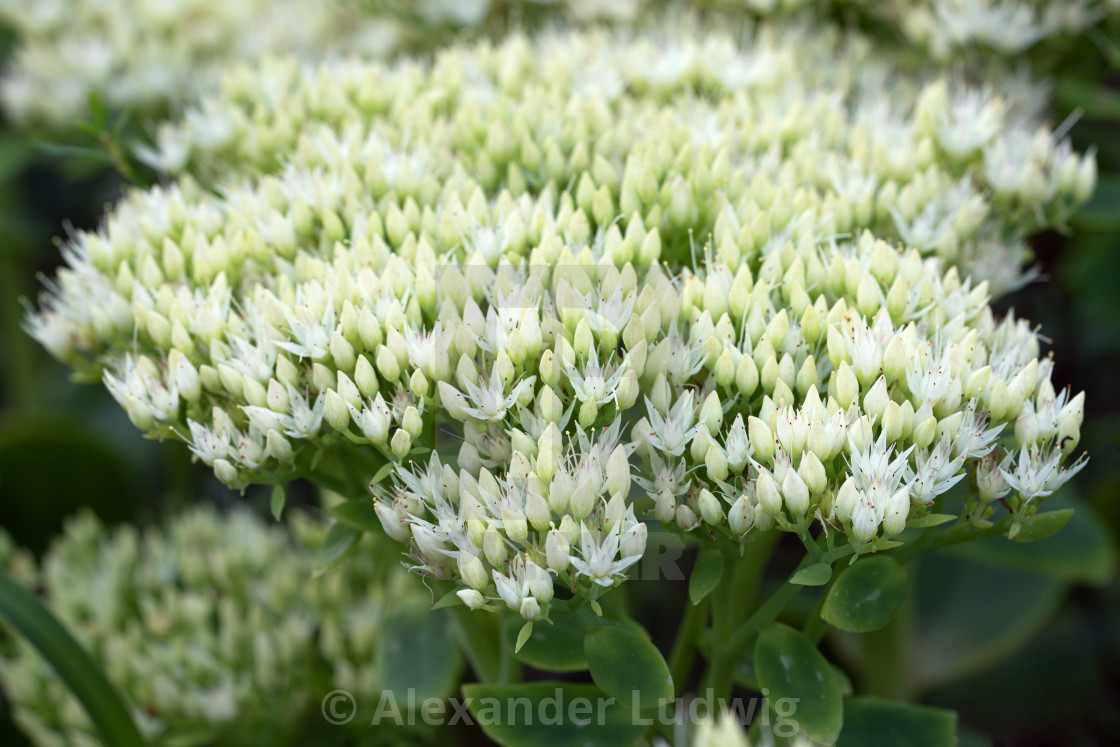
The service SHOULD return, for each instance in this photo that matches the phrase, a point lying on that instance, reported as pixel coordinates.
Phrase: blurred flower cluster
(213, 629)
(949, 28)
(725, 286)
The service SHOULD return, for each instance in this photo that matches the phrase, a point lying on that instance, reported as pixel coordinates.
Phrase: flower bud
(716, 462)
(401, 443)
(896, 512)
(472, 599)
(761, 439)
(412, 422)
(769, 498)
(924, 432)
(709, 507)
(813, 473)
(847, 387)
(796, 493)
(876, 400)
(686, 517)
(472, 571)
(336, 412)
(618, 472)
(741, 516)
(557, 551)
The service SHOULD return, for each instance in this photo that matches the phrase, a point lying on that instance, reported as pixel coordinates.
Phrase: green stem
(721, 667)
(732, 601)
(964, 533)
(884, 660)
(749, 569)
(684, 648)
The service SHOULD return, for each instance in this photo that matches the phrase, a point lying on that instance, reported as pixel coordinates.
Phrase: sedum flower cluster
(571, 285)
(146, 55)
(949, 28)
(210, 628)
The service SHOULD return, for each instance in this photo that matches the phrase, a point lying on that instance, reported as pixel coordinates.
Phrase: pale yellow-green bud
(387, 363)
(711, 413)
(472, 571)
(741, 516)
(401, 443)
(710, 509)
(549, 369)
(716, 462)
(761, 439)
(813, 473)
(769, 497)
(924, 432)
(847, 387)
(618, 472)
(335, 411)
(796, 493)
(412, 422)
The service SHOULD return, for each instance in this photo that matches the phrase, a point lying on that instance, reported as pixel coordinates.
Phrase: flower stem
(685, 646)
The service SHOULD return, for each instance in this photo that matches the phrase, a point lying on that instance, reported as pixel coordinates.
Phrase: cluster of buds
(794, 120)
(641, 300)
(146, 56)
(209, 628)
(948, 28)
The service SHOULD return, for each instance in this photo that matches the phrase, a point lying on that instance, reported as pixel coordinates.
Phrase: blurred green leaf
(705, 574)
(418, 651)
(968, 615)
(340, 542)
(37, 494)
(358, 514)
(1102, 211)
(866, 596)
(276, 503)
(790, 666)
(872, 722)
(556, 717)
(627, 666)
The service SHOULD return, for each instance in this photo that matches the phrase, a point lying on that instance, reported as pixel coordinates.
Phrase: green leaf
(930, 520)
(1042, 526)
(871, 722)
(813, 575)
(526, 631)
(553, 648)
(1082, 552)
(866, 596)
(627, 666)
(70, 662)
(417, 650)
(705, 574)
(340, 541)
(382, 473)
(789, 666)
(968, 616)
(553, 714)
(450, 599)
(358, 514)
(279, 497)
